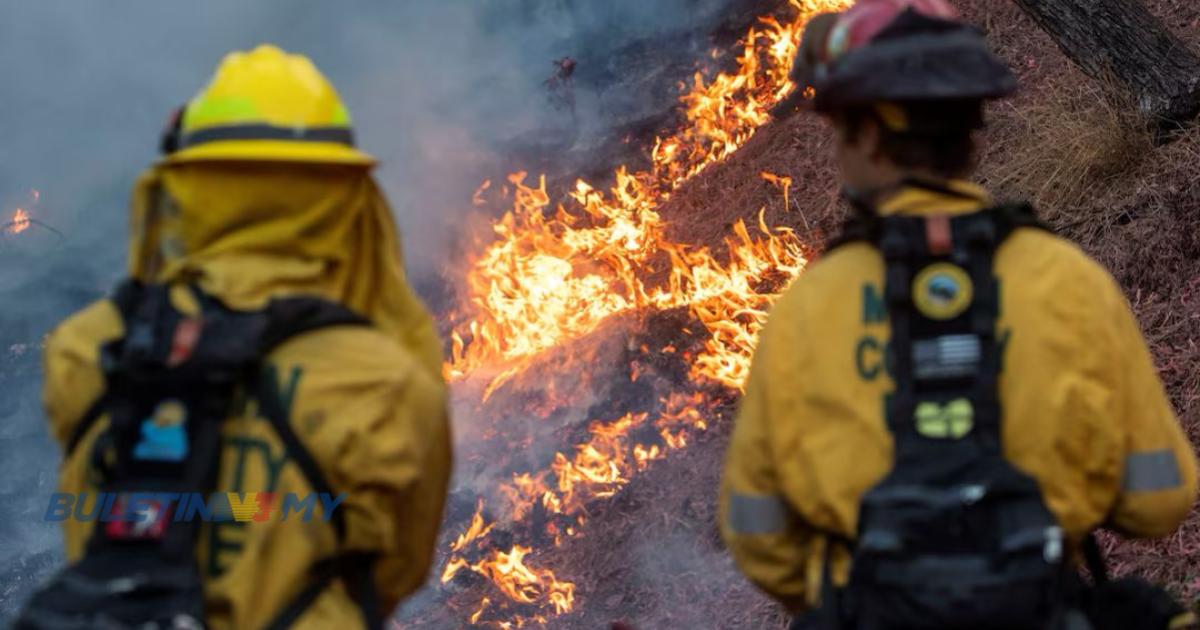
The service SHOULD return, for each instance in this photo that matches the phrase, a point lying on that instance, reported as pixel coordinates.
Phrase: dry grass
(1071, 144)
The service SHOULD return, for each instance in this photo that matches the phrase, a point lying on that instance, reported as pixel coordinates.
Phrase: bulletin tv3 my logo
(150, 508)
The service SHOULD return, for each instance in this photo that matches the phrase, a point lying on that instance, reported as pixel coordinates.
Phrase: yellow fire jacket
(1084, 412)
(367, 403)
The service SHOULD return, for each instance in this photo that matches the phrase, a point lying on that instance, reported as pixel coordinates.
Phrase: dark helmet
(896, 51)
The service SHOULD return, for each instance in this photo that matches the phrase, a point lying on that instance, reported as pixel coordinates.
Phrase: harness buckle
(938, 235)
(184, 340)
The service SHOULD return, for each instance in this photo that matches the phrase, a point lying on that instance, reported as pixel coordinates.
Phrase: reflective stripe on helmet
(339, 135)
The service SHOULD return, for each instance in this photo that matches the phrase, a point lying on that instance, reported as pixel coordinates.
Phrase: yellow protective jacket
(367, 403)
(1084, 412)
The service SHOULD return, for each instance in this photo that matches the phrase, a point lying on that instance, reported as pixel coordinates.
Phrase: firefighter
(946, 348)
(261, 198)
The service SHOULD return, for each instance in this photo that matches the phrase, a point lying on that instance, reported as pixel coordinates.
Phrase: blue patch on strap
(161, 443)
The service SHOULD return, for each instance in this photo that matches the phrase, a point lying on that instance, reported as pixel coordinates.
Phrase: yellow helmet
(266, 105)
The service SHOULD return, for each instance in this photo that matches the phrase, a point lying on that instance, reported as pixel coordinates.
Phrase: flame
(556, 272)
(476, 529)
(782, 182)
(19, 223)
(477, 198)
(479, 612)
(523, 584)
(452, 568)
(519, 582)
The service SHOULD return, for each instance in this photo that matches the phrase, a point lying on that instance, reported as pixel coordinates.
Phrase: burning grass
(552, 277)
(621, 266)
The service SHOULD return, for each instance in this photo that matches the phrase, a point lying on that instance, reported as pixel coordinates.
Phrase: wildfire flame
(476, 529)
(20, 222)
(553, 275)
(783, 183)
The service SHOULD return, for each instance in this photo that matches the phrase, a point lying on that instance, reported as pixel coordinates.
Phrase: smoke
(445, 93)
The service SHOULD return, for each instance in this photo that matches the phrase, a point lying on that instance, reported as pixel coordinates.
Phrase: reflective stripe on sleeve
(757, 514)
(1152, 470)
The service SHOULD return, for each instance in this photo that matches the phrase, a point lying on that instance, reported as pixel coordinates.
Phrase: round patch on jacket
(942, 291)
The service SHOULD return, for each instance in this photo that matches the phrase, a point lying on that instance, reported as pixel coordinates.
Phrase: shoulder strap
(85, 424)
(294, 316)
(1013, 215)
(230, 339)
(125, 297)
(858, 228)
(944, 361)
(1093, 556)
(864, 226)
(288, 318)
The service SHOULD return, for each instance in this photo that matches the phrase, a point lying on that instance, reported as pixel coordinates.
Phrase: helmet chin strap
(169, 142)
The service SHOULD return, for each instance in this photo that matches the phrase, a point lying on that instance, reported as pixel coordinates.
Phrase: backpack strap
(147, 373)
(235, 342)
(288, 318)
(858, 228)
(865, 225)
(898, 243)
(125, 297)
(1093, 556)
(946, 359)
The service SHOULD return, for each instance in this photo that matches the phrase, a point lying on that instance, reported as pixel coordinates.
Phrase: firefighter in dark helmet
(945, 406)
(261, 228)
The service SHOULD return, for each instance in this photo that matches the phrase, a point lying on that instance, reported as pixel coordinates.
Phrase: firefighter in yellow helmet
(945, 406)
(263, 213)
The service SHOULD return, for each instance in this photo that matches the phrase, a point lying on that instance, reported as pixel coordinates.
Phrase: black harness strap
(125, 297)
(85, 424)
(1093, 556)
(895, 244)
(271, 405)
(982, 240)
(943, 301)
(322, 575)
(150, 322)
(864, 226)
(290, 318)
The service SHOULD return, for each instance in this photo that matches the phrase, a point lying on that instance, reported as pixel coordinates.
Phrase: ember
(19, 223)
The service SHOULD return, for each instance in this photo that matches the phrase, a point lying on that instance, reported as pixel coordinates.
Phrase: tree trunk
(1123, 40)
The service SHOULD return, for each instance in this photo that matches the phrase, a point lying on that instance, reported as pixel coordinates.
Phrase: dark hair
(938, 136)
